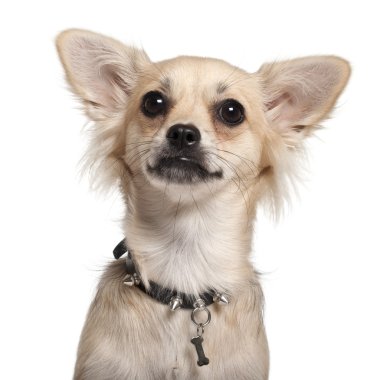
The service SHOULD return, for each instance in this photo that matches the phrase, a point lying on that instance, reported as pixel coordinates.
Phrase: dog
(194, 145)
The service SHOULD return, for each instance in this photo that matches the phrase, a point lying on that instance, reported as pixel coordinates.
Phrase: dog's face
(196, 122)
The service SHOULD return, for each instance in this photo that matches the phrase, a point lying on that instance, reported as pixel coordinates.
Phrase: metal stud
(221, 298)
(199, 304)
(131, 279)
(175, 303)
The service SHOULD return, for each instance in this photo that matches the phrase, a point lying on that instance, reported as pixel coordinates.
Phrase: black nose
(183, 136)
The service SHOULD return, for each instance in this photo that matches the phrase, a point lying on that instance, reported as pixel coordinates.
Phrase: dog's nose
(183, 136)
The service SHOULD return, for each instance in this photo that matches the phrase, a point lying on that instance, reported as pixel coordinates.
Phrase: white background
(321, 262)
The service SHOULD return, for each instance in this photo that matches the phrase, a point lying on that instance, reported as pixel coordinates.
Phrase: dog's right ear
(101, 70)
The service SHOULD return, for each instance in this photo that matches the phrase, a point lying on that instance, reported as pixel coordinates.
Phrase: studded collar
(173, 298)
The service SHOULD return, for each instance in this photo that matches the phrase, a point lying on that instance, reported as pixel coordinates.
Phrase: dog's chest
(128, 335)
(161, 340)
(166, 337)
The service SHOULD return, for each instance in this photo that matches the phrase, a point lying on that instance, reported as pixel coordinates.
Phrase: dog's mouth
(182, 169)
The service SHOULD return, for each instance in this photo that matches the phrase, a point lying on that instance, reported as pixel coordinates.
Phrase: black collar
(156, 291)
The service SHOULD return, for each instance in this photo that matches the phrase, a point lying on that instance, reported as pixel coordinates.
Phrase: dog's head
(192, 121)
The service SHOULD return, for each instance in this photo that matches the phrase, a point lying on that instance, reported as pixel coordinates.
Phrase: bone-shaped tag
(202, 360)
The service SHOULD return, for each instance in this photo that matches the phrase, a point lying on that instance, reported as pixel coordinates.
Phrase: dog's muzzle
(182, 159)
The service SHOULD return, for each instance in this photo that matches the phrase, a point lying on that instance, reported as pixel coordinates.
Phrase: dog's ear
(300, 93)
(100, 70)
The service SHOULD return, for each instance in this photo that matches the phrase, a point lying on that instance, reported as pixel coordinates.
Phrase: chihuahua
(194, 145)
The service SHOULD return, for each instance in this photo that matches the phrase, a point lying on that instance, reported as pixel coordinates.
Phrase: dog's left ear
(300, 93)
(101, 70)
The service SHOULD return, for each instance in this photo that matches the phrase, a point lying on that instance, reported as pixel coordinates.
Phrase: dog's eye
(153, 104)
(231, 112)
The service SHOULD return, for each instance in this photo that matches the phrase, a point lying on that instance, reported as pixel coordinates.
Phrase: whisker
(233, 71)
(164, 195)
(232, 167)
(232, 138)
(244, 159)
(196, 205)
(138, 156)
(175, 218)
(139, 143)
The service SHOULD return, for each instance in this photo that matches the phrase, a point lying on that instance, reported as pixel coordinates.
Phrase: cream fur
(189, 236)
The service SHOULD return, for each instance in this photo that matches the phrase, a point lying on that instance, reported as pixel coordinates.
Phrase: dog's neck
(191, 245)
